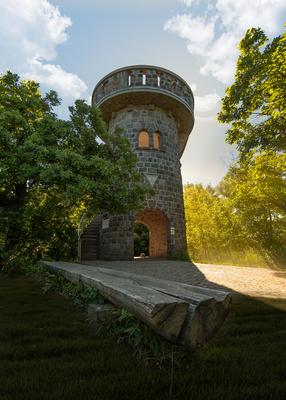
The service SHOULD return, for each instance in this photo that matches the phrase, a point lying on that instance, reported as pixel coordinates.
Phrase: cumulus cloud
(215, 34)
(206, 103)
(196, 30)
(189, 2)
(55, 76)
(30, 32)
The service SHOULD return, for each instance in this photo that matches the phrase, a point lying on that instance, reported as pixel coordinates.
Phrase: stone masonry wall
(116, 237)
(160, 166)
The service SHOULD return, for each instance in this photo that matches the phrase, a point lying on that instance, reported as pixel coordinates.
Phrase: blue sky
(68, 45)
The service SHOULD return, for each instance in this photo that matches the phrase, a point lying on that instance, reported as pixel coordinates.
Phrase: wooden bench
(181, 313)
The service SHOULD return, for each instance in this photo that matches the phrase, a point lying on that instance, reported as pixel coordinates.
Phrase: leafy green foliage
(253, 191)
(243, 219)
(256, 187)
(51, 171)
(213, 230)
(81, 294)
(146, 344)
(254, 105)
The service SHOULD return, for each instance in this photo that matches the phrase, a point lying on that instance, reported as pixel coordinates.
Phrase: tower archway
(157, 223)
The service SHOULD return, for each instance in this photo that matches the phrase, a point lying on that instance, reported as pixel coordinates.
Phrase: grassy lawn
(47, 351)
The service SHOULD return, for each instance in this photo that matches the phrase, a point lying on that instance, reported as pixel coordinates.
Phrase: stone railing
(143, 77)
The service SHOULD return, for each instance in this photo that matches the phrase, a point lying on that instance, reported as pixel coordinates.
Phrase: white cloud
(207, 103)
(54, 76)
(204, 104)
(30, 32)
(215, 34)
(196, 30)
(243, 14)
(188, 2)
(193, 86)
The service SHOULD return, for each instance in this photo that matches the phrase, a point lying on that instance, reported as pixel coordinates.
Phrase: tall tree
(254, 105)
(213, 229)
(256, 189)
(255, 108)
(49, 167)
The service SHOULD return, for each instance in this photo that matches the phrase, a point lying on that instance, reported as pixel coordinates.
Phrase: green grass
(48, 352)
(248, 258)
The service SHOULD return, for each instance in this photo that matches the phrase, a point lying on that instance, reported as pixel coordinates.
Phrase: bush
(78, 292)
(146, 344)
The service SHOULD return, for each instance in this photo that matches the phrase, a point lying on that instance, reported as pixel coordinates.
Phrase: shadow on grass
(48, 352)
(280, 274)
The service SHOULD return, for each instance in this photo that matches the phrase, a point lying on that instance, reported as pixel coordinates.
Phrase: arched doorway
(141, 239)
(157, 223)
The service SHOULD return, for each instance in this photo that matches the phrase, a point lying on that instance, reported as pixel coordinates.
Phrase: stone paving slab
(257, 282)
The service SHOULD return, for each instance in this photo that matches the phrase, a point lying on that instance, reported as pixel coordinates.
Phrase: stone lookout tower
(154, 107)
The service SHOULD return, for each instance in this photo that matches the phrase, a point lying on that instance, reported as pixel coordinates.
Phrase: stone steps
(90, 241)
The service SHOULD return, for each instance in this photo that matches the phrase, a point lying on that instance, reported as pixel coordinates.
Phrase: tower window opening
(156, 140)
(143, 79)
(129, 80)
(143, 140)
(158, 80)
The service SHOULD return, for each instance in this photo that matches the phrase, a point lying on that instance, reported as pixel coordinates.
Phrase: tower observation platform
(143, 85)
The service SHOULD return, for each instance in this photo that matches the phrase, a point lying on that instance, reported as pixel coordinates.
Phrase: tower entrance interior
(157, 224)
(141, 240)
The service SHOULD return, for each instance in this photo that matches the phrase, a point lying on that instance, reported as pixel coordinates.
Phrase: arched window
(143, 139)
(156, 140)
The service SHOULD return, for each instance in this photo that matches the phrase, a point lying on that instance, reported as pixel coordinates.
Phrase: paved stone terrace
(257, 282)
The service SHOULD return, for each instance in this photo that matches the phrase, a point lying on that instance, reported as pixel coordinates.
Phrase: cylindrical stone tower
(154, 107)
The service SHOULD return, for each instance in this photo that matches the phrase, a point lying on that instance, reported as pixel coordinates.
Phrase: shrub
(81, 294)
